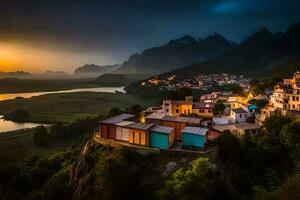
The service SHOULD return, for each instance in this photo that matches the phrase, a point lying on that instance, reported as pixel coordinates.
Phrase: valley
(152, 100)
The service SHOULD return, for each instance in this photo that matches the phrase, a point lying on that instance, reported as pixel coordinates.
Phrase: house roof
(195, 130)
(191, 120)
(162, 129)
(117, 119)
(124, 123)
(155, 116)
(239, 110)
(213, 134)
(203, 105)
(178, 102)
(232, 127)
(246, 126)
(161, 116)
(139, 126)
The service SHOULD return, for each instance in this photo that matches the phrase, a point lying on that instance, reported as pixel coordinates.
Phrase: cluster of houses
(193, 123)
(187, 123)
(237, 110)
(202, 81)
(158, 131)
(284, 100)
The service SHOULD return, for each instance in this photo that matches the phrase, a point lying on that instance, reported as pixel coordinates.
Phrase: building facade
(286, 95)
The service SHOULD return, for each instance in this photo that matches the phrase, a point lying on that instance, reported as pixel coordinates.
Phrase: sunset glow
(22, 57)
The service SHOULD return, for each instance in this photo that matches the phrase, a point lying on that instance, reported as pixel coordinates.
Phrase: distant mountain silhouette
(16, 74)
(95, 70)
(176, 54)
(53, 73)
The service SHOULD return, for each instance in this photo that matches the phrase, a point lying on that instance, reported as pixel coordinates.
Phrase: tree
(180, 93)
(58, 130)
(18, 116)
(40, 136)
(219, 108)
(229, 147)
(114, 111)
(290, 135)
(135, 109)
(274, 124)
(194, 182)
(290, 188)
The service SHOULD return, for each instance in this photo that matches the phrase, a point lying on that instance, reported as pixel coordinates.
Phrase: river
(6, 126)
(32, 94)
(12, 126)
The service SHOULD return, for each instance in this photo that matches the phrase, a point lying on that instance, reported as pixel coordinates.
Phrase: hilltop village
(206, 82)
(191, 124)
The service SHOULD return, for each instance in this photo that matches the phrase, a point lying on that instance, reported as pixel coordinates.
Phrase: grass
(18, 146)
(66, 107)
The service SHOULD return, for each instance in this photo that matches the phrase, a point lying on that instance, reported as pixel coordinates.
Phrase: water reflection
(6, 126)
(31, 94)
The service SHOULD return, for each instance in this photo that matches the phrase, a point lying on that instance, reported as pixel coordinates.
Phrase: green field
(66, 107)
(18, 146)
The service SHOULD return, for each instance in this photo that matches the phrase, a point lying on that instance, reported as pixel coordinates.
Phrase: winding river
(12, 126)
(8, 96)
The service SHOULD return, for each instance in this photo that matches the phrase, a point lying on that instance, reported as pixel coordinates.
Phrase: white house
(239, 115)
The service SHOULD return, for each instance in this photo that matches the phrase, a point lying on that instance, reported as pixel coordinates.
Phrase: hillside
(119, 79)
(175, 54)
(92, 70)
(16, 74)
(263, 53)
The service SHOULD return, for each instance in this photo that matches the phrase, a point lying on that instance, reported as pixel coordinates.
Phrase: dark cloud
(121, 27)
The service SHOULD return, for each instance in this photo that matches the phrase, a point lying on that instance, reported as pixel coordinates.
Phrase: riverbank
(15, 85)
(9, 96)
(7, 126)
(67, 107)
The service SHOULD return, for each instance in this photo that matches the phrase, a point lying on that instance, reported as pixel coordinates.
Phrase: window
(177, 110)
(167, 110)
(245, 115)
(209, 110)
(240, 115)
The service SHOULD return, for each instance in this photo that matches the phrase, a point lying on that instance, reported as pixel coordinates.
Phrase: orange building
(203, 109)
(139, 133)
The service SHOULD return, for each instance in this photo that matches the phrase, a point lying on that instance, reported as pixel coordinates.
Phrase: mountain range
(176, 54)
(262, 54)
(92, 70)
(16, 74)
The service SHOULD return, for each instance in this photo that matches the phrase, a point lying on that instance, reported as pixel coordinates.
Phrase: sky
(38, 35)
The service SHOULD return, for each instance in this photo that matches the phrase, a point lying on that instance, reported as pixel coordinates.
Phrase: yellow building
(177, 108)
(139, 133)
(203, 109)
(237, 101)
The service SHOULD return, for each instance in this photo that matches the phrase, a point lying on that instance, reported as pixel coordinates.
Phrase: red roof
(212, 134)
